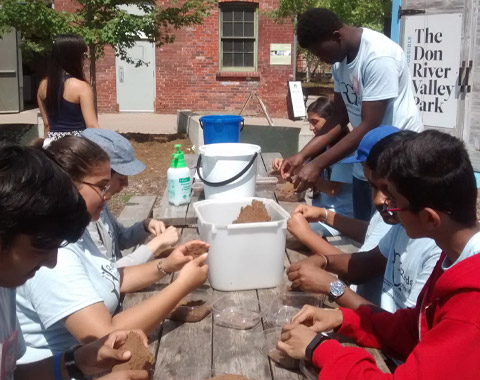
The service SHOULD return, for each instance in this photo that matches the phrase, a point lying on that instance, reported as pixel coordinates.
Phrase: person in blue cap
(402, 264)
(372, 86)
(110, 236)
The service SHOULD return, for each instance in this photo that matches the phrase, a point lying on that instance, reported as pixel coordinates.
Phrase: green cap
(178, 160)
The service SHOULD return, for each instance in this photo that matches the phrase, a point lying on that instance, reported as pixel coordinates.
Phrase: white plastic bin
(242, 256)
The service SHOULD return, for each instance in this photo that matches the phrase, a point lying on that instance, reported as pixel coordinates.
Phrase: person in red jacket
(432, 188)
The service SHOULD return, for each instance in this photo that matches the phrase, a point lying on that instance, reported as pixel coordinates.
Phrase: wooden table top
(191, 349)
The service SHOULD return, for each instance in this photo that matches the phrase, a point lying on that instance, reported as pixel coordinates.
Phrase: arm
(331, 130)
(93, 358)
(87, 104)
(41, 94)
(372, 116)
(353, 228)
(95, 320)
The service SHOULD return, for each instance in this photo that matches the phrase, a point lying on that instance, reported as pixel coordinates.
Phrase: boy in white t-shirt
(40, 210)
(404, 263)
(372, 85)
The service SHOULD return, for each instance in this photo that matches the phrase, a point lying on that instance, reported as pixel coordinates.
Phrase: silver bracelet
(160, 268)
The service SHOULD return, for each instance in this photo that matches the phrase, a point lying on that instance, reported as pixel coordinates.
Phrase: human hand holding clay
(317, 319)
(183, 254)
(311, 213)
(295, 339)
(154, 226)
(291, 163)
(310, 278)
(194, 273)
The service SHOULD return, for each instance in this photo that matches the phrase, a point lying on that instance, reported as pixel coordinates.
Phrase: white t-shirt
(12, 345)
(111, 237)
(410, 263)
(83, 276)
(376, 231)
(378, 72)
(471, 248)
(343, 202)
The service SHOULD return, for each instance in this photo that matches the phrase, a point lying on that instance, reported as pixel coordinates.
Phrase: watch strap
(319, 338)
(71, 366)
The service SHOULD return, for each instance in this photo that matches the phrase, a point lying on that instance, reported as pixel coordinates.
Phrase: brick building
(210, 67)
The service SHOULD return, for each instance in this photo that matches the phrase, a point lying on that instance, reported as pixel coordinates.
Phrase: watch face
(337, 288)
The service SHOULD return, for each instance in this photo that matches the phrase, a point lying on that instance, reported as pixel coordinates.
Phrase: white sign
(432, 47)
(296, 95)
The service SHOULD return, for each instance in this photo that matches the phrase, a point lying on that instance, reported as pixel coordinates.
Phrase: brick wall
(187, 71)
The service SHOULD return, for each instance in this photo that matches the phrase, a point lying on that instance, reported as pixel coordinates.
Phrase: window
(238, 37)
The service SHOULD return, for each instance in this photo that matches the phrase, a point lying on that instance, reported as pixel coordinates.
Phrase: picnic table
(203, 344)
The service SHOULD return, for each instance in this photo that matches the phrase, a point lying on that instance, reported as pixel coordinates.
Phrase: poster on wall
(280, 54)
(432, 47)
(296, 97)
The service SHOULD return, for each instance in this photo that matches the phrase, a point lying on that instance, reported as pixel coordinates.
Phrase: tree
(367, 13)
(100, 23)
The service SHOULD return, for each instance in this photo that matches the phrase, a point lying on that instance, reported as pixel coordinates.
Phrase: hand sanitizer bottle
(178, 176)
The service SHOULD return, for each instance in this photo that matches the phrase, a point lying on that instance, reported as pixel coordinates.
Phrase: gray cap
(119, 149)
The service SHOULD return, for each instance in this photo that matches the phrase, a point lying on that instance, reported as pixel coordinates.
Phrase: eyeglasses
(385, 207)
(103, 189)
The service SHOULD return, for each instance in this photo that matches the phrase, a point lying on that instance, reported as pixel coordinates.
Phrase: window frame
(221, 38)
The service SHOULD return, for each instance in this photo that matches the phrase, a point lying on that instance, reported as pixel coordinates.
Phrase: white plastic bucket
(242, 256)
(228, 170)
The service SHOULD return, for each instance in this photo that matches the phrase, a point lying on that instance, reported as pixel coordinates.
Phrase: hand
(311, 213)
(277, 163)
(290, 164)
(298, 226)
(310, 278)
(126, 375)
(194, 273)
(179, 256)
(154, 226)
(102, 354)
(319, 320)
(295, 339)
(168, 238)
(307, 176)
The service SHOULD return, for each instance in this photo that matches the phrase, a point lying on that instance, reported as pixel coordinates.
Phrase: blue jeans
(362, 200)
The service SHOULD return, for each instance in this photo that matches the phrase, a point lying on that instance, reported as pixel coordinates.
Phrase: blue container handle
(227, 181)
(241, 128)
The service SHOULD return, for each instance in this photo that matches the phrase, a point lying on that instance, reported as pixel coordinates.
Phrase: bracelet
(325, 258)
(160, 268)
(72, 369)
(56, 366)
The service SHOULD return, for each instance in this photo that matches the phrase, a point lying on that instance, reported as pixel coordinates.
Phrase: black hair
(66, 58)
(77, 155)
(316, 25)
(38, 198)
(433, 169)
(380, 151)
(323, 107)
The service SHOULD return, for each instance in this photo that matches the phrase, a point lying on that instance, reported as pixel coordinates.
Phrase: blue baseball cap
(367, 143)
(118, 148)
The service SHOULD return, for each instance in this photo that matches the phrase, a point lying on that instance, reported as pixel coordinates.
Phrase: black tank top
(69, 117)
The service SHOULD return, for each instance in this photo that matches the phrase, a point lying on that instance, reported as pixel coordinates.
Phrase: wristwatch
(72, 369)
(337, 288)
(312, 346)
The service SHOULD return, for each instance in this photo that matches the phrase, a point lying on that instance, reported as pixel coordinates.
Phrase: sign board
(280, 54)
(296, 96)
(432, 46)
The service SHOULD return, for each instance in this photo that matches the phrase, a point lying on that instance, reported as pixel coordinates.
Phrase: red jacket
(439, 339)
